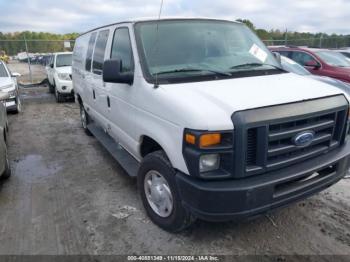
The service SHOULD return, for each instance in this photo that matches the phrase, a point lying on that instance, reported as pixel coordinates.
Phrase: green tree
(247, 23)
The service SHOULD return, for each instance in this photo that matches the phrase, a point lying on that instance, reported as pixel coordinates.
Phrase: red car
(319, 61)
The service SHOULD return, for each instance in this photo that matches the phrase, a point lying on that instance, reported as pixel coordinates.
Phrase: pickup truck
(201, 112)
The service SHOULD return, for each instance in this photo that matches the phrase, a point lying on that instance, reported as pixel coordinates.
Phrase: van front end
(280, 154)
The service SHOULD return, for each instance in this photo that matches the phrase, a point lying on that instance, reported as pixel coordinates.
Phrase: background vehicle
(345, 53)
(202, 114)
(318, 61)
(59, 75)
(5, 170)
(4, 57)
(8, 84)
(293, 67)
(46, 60)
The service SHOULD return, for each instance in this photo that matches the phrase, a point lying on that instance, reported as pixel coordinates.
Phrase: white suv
(59, 75)
(9, 85)
(202, 113)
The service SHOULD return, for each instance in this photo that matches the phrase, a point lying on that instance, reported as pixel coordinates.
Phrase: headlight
(208, 154)
(64, 76)
(10, 89)
(209, 162)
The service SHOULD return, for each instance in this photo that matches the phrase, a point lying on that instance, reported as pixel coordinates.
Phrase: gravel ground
(67, 195)
(38, 72)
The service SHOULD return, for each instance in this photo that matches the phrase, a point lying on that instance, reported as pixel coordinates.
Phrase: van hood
(64, 70)
(216, 101)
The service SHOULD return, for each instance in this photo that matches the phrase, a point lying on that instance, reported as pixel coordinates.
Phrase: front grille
(277, 144)
(251, 146)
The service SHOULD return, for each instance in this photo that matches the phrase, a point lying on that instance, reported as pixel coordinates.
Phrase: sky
(66, 16)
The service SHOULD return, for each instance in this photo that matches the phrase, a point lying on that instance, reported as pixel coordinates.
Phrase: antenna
(156, 85)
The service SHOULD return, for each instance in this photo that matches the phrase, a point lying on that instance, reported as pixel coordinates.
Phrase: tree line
(278, 37)
(37, 42)
(41, 42)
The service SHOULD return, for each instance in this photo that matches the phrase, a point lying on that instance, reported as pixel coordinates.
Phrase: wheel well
(80, 100)
(149, 145)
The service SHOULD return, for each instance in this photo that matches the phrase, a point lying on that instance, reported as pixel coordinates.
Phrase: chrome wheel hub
(158, 193)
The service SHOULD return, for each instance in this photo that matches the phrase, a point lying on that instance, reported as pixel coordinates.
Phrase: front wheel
(51, 88)
(18, 106)
(85, 120)
(7, 172)
(159, 194)
(59, 97)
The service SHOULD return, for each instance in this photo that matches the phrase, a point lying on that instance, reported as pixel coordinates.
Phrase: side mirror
(313, 64)
(277, 56)
(112, 73)
(14, 74)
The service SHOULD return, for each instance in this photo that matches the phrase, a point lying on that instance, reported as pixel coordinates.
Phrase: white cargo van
(202, 113)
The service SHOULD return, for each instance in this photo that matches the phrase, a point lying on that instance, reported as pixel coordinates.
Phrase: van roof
(150, 19)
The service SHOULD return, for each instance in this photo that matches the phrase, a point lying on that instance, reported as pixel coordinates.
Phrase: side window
(99, 52)
(284, 53)
(89, 52)
(302, 58)
(122, 50)
(51, 60)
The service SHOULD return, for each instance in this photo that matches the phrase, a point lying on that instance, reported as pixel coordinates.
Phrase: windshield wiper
(253, 65)
(185, 70)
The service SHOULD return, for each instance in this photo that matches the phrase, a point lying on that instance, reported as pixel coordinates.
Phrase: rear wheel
(85, 119)
(160, 197)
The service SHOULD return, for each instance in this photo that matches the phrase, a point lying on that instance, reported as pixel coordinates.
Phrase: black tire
(59, 97)
(7, 172)
(18, 106)
(51, 88)
(179, 217)
(87, 120)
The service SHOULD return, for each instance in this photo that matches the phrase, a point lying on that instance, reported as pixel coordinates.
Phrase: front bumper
(64, 87)
(238, 199)
(10, 104)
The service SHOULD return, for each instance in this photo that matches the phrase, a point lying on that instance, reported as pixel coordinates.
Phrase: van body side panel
(120, 113)
(78, 64)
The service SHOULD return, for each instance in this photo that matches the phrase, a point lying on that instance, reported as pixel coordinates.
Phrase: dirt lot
(38, 72)
(68, 196)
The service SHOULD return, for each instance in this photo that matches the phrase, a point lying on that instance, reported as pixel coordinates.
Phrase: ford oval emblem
(304, 138)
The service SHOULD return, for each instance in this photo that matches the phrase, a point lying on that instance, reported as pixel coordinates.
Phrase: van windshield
(64, 60)
(171, 49)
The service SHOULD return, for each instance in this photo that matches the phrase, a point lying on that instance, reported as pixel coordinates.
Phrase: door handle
(108, 102)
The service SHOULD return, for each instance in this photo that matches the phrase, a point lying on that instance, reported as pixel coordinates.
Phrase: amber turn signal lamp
(208, 140)
(190, 139)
